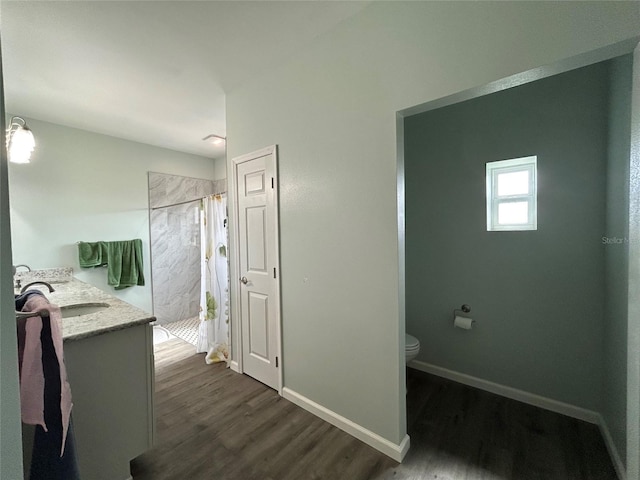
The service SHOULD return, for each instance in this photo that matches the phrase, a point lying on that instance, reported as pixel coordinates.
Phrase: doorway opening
(465, 275)
(176, 207)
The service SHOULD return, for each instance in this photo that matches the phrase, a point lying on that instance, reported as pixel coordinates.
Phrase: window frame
(493, 169)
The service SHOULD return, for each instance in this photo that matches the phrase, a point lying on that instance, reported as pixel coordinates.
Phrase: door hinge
(276, 362)
(274, 272)
(272, 183)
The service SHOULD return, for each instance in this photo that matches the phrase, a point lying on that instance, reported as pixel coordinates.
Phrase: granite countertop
(69, 291)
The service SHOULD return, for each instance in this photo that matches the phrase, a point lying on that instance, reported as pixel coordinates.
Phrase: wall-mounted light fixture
(214, 139)
(20, 141)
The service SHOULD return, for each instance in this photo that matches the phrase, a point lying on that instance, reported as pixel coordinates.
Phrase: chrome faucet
(51, 289)
(15, 269)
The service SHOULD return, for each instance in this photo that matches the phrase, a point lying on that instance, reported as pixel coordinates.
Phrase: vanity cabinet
(112, 385)
(109, 360)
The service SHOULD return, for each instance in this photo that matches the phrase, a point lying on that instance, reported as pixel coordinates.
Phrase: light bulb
(21, 145)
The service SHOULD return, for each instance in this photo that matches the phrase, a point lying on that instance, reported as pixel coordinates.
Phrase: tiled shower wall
(175, 243)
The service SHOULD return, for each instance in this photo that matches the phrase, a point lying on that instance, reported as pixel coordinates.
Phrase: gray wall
(331, 110)
(633, 346)
(537, 296)
(617, 255)
(10, 433)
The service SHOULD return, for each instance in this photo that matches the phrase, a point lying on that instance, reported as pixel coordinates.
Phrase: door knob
(244, 280)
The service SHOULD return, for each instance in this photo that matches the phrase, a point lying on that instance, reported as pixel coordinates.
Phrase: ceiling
(154, 72)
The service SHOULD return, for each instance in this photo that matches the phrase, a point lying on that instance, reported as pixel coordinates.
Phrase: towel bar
(39, 313)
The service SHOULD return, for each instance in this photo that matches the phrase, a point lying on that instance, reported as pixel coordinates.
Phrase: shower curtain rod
(187, 201)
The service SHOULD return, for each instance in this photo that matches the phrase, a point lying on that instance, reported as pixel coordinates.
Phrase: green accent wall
(95, 187)
(537, 296)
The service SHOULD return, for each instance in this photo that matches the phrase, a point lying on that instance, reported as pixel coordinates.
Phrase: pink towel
(30, 360)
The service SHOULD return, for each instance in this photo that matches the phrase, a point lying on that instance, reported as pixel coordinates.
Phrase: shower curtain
(213, 331)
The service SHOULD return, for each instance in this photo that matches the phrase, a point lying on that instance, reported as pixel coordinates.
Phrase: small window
(511, 194)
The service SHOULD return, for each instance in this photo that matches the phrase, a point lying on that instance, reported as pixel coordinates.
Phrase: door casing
(235, 274)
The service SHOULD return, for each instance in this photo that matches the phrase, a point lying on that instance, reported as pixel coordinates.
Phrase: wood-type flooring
(215, 424)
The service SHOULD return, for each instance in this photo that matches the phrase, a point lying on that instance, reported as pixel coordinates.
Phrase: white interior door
(257, 222)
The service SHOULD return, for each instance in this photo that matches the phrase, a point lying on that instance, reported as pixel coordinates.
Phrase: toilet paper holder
(463, 309)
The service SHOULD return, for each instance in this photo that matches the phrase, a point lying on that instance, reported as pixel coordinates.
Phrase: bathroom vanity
(111, 378)
(109, 361)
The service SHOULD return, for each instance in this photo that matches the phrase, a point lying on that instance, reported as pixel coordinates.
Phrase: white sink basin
(82, 309)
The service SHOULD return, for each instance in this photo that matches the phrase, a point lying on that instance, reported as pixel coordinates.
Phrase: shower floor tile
(186, 329)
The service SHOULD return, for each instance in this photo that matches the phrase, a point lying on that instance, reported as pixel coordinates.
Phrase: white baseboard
(611, 447)
(233, 365)
(397, 452)
(509, 392)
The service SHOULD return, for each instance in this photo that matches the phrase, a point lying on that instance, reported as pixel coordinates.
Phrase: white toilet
(411, 347)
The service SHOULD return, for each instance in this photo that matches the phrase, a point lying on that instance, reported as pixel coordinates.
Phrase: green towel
(92, 254)
(125, 264)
